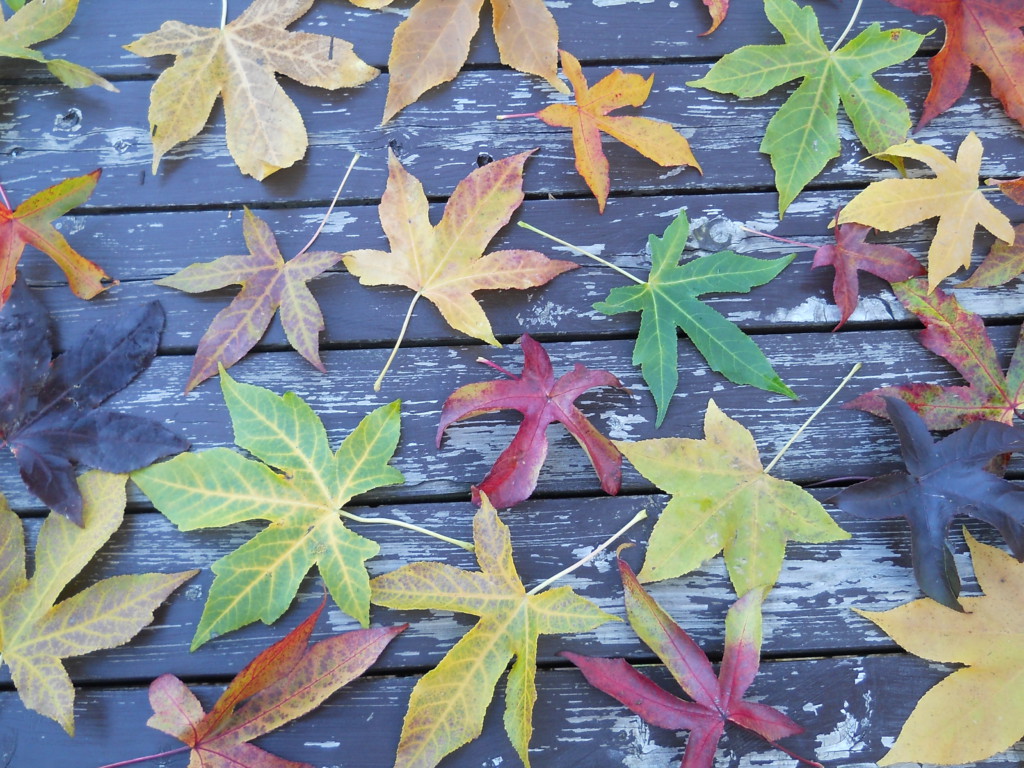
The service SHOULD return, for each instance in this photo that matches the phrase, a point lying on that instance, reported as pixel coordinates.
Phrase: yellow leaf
(953, 195)
(265, 131)
(978, 711)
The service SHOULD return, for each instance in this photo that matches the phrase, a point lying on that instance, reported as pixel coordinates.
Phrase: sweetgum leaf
(447, 706)
(941, 480)
(1004, 262)
(283, 682)
(542, 401)
(36, 632)
(715, 700)
(669, 299)
(49, 414)
(298, 484)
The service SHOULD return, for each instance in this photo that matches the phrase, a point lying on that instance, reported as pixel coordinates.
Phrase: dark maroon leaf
(541, 400)
(48, 415)
(941, 480)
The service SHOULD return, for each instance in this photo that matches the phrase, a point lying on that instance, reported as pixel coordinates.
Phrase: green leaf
(298, 484)
(669, 299)
(804, 135)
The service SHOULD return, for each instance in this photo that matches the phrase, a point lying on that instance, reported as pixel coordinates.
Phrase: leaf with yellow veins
(977, 711)
(265, 132)
(953, 196)
(722, 499)
(36, 633)
(446, 264)
(447, 706)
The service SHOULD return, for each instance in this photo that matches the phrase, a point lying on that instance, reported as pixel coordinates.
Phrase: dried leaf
(447, 706)
(953, 195)
(31, 223)
(1013, 189)
(265, 132)
(542, 401)
(36, 632)
(298, 484)
(588, 117)
(718, 9)
(722, 499)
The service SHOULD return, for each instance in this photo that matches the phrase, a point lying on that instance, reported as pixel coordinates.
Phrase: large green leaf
(669, 299)
(298, 484)
(804, 135)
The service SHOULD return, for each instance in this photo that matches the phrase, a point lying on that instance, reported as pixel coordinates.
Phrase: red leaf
(541, 400)
(718, 10)
(985, 33)
(851, 253)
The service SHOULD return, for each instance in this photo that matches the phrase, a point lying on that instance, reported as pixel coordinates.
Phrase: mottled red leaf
(1013, 189)
(1003, 263)
(959, 336)
(715, 700)
(718, 10)
(985, 33)
(851, 253)
(541, 400)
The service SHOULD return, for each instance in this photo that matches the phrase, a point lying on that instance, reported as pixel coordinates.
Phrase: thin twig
(849, 26)
(409, 526)
(576, 248)
(330, 208)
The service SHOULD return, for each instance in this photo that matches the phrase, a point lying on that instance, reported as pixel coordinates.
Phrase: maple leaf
(281, 683)
(265, 132)
(447, 706)
(298, 484)
(432, 43)
(959, 337)
(267, 283)
(445, 263)
(1004, 262)
(49, 414)
(716, 700)
(31, 224)
(941, 480)
(718, 9)
(653, 139)
(850, 254)
(975, 712)
(40, 20)
(36, 632)
(804, 134)
(542, 401)
(1013, 189)
(722, 499)
(985, 33)
(953, 195)
(669, 299)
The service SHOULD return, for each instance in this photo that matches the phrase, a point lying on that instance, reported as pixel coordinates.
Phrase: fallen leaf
(1013, 189)
(447, 706)
(298, 484)
(985, 33)
(718, 10)
(959, 337)
(49, 414)
(432, 43)
(265, 132)
(715, 700)
(36, 632)
(267, 283)
(1004, 262)
(953, 195)
(588, 117)
(283, 682)
(976, 712)
(446, 263)
(722, 499)
(31, 223)
(542, 401)
(40, 20)
(804, 135)
(669, 299)
(851, 254)
(942, 479)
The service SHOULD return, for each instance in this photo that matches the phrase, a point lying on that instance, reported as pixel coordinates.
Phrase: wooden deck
(836, 674)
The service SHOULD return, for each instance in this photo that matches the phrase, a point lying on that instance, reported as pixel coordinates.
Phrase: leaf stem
(409, 526)
(812, 417)
(398, 342)
(3, 195)
(496, 367)
(521, 114)
(330, 208)
(795, 756)
(849, 26)
(223, 13)
(588, 254)
(797, 243)
(641, 515)
(146, 758)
